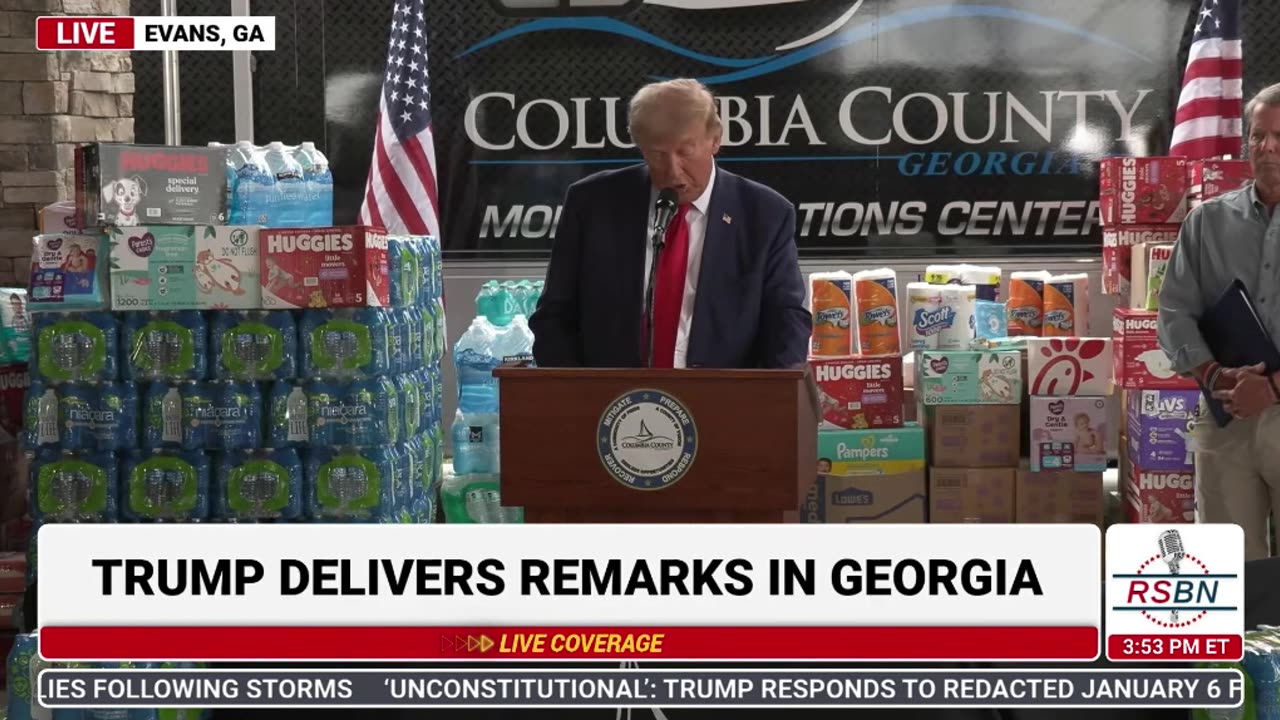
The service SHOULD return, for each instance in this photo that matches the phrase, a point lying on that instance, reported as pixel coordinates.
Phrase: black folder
(1237, 337)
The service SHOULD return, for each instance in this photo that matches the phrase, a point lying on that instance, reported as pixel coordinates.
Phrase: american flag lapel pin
(727, 220)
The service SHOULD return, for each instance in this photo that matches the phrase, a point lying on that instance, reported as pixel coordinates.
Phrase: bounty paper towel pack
(876, 299)
(985, 281)
(832, 306)
(184, 267)
(960, 303)
(1026, 302)
(1066, 305)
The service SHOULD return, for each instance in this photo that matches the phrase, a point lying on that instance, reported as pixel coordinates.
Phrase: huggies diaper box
(132, 185)
(969, 377)
(860, 392)
(1142, 190)
(324, 267)
(1159, 496)
(1139, 360)
(184, 267)
(1117, 253)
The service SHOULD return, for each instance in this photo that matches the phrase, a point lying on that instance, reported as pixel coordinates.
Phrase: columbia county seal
(647, 440)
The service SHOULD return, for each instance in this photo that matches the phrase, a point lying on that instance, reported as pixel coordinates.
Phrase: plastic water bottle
(520, 295)
(319, 182)
(291, 188)
(513, 342)
(255, 188)
(475, 432)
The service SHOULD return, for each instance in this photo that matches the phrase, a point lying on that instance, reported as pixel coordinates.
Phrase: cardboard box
(1069, 366)
(970, 377)
(1118, 261)
(860, 392)
(1139, 360)
(1159, 426)
(971, 495)
(1142, 191)
(871, 452)
(1150, 261)
(974, 436)
(184, 267)
(1159, 496)
(324, 267)
(1059, 497)
(132, 185)
(1070, 433)
(899, 498)
(1211, 178)
(868, 476)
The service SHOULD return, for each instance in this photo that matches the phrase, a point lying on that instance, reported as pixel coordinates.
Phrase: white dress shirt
(697, 219)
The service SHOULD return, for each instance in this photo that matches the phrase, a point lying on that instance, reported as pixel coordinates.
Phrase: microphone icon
(1171, 552)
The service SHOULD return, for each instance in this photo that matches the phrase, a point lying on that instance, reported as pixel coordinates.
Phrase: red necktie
(668, 292)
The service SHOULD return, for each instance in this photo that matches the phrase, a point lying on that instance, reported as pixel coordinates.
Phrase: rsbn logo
(1173, 588)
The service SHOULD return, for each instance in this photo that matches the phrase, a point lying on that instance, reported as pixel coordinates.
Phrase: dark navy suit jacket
(750, 310)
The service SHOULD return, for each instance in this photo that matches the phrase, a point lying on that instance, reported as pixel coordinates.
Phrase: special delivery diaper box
(969, 377)
(1070, 433)
(860, 392)
(184, 267)
(868, 476)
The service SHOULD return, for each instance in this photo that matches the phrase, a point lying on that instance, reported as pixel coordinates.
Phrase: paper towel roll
(943, 274)
(1026, 302)
(831, 303)
(924, 307)
(875, 295)
(1066, 306)
(958, 304)
(985, 280)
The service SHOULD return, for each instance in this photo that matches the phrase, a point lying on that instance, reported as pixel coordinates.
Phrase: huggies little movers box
(184, 267)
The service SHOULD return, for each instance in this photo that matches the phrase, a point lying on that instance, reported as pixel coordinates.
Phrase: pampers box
(184, 267)
(1069, 433)
(868, 476)
(969, 377)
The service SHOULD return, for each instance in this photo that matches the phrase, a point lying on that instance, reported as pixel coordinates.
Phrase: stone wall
(50, 102)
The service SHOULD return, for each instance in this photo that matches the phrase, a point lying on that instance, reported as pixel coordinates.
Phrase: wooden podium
(656, 446)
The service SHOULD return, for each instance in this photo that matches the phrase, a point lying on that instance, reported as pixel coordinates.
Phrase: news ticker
(636, 688)
(673, 592)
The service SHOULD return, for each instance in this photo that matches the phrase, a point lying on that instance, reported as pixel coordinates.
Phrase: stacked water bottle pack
(243, 415)
(498, 334)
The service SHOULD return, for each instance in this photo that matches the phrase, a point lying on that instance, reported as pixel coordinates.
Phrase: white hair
(659, 109)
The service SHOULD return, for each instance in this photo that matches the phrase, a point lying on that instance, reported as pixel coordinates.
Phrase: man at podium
(725, 290)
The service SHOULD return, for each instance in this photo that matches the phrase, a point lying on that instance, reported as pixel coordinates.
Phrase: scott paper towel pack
(924, 307)
(959, 302)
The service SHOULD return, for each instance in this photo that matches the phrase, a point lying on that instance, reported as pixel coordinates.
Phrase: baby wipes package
(970, 377)
(67, 272)
(184, 267)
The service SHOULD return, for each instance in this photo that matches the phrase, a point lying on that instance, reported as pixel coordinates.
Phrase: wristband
(1212, 384)
(1211, 374)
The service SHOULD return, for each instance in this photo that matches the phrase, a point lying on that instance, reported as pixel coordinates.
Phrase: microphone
(664, 209)
(1171, 552)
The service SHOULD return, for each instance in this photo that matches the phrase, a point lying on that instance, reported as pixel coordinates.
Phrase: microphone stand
(658, 241)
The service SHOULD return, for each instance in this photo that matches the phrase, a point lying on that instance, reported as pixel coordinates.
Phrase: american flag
(1208, 123)
(400, 194)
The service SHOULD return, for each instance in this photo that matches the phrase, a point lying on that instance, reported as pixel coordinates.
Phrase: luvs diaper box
(969, 377)
(868, 476)
(1069, 433)
(1159, 428)
(184, 267)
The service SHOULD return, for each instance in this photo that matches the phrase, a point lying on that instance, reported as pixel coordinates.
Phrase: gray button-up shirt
(1231, 236)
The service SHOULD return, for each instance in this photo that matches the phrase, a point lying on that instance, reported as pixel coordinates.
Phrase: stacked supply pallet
(1143, 202)
(871, 463)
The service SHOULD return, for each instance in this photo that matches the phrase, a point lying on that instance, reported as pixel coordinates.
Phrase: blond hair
(663, 109)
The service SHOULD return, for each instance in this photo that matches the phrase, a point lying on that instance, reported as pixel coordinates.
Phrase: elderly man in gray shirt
(1236, 235)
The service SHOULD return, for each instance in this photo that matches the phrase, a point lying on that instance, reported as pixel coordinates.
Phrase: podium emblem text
(647, 439)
